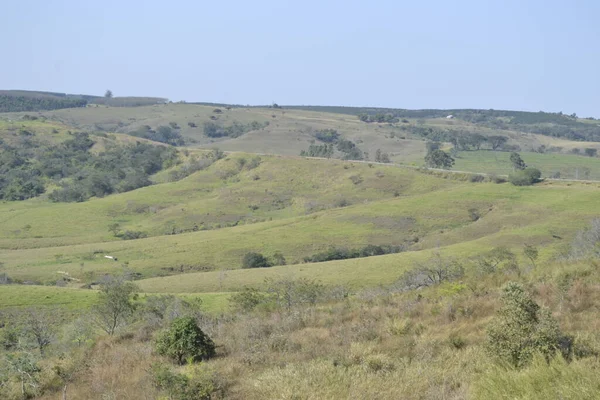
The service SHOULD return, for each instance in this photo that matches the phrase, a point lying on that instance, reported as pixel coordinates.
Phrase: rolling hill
(384, 278)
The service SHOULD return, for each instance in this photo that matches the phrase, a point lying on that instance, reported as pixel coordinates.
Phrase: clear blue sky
(527, 54)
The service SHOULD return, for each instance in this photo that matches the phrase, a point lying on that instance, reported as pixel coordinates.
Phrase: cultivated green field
(563, 166)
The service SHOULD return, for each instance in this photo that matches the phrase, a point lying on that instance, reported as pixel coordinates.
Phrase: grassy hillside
(411, 324)
(508, 216)
(289, 131)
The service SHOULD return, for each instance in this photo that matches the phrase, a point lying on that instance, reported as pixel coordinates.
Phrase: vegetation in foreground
(488, 327)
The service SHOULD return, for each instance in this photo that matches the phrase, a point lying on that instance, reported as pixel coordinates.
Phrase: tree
(432, 272)
(591, 152)
(497, 141)
(255, 260)
(108, 94)
(531, 252)
(439, 159)
(115, 305)
(184, 340)
(41, 325)
(517, 162)
(521, 329)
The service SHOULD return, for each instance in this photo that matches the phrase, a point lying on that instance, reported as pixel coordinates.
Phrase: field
(345, 328)
(562, 166)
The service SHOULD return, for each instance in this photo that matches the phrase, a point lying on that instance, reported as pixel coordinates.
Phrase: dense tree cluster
(318, 150)
(28, 103)
(439, 159)
(164, 134)
(525, 177)
(379, 117)
(337, 253)
(26, 167)
(214, 130)
(327, 135)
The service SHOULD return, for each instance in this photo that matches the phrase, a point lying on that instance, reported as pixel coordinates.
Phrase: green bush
(522, 329)
(255, 260)
(184, 341)
(247, 299)
(181, 387)
(526, 177)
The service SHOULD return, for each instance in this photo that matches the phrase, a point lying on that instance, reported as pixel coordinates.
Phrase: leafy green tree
(184, 340)
(255, 260)
(526, 177)
(115, 304)
(521, 328)
(108, 94)
(517, 162)
(439, 159)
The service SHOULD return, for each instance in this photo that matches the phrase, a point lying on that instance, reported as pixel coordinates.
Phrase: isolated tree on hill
(108, 94)
(439, 159)
(517, 162)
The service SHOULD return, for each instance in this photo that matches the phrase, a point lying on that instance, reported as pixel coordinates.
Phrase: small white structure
(450, 116)
(111, 258)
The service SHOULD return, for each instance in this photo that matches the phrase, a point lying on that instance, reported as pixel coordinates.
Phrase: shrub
(327, 135)
(521, 329)
(434, 271)
(474, 214)
(526, 177)
(181, 387)
(132, 235)
(255, 260)
(184, 341)
(476, 178)
(247, 300)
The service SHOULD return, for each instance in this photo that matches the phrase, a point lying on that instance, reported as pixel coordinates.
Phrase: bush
(433, 272)
(255, 260)
(247, 300)
(526, 177)
(521, 329)
(327, 135)
(184, 341)
(132, 235)
(181, 387)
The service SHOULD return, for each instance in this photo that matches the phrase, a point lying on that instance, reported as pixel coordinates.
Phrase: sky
(527, 55)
